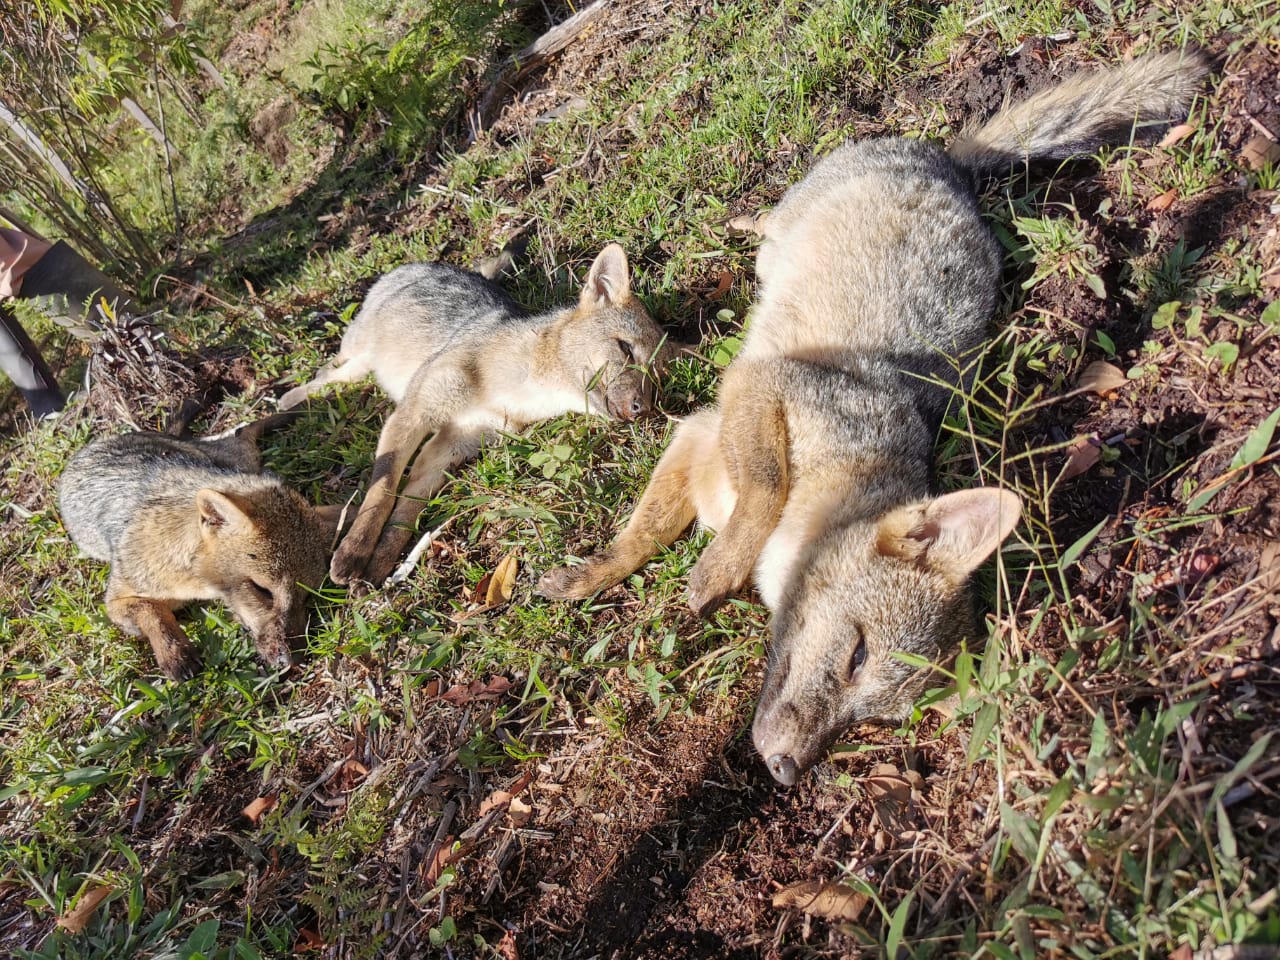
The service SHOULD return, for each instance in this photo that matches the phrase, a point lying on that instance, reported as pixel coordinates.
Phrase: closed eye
(627, 351)
(262, 593)
(857, 657)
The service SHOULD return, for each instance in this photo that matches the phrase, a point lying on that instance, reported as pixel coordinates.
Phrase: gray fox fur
(463, 362)
(182, 520)
(876, 272)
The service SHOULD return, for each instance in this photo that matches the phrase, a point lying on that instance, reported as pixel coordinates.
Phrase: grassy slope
(1116, 802)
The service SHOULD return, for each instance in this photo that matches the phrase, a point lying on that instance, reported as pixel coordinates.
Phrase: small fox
(876, 272)
(182, 520)
(462, 362)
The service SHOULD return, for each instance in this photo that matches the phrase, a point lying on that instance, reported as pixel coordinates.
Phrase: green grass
(1089, 762)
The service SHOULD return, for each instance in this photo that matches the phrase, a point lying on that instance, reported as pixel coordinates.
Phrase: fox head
(258, 553)
(609, 343)
(894, 584)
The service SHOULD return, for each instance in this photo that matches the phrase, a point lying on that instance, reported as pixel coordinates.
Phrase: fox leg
(152, 619)
(447, 449)
(431, 400)
(338, 370)
(753, 441)
(666, 508)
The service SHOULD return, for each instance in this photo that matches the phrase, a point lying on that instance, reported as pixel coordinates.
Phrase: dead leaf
(833, 901)
(1187, 571)
(1162, 202)
(723, 283)
(1269, 566)
(1101, 378)
(260, 807)
(349, 775)
(78, 917)
(519, 812)
(499, 798)
(1083, 453)
(1259, 152)
(308, 939)
(502, 582)
(507, 946)
(891, 793)
(1176, 134)
(444, 856)
(459, 695)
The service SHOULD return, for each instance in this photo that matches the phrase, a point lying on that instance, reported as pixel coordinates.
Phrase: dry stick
(531, 57)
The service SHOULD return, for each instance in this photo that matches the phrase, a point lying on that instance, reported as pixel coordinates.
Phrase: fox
(813, 468)
(181, 520)
(463, 362)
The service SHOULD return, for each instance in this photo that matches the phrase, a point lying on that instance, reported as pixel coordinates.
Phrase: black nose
(784, 769)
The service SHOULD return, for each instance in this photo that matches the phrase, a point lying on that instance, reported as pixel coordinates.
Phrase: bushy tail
(1084, 112)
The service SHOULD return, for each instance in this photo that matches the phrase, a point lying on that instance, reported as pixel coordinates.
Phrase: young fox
(462, 362)
(182, 520)
(876, 271)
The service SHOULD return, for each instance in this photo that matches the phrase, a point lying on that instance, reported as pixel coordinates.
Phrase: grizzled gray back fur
(411, 316)
(924, 298)
(107, 484)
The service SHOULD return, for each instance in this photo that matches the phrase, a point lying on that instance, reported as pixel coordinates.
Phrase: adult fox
(876, 272)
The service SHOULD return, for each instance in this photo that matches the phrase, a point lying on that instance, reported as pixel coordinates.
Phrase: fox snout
(629, 397)
(789, 736)
(275, 633)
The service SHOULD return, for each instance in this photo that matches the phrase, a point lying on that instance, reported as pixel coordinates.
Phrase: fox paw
(568, 583)
(348, 563)
(178, 660)
(708, 587)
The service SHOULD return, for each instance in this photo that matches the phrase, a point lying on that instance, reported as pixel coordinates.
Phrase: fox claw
(347, 565)
(181, 663)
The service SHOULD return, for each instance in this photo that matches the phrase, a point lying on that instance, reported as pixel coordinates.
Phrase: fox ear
(221, 513)
(609, 280)
(952, 534)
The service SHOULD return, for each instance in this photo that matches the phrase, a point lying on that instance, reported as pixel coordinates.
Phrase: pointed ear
(221, 513)
(952, 534)
(608, 281)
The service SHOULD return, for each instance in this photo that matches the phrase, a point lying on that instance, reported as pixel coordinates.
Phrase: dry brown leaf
(308, 939)
(1187, 571)
(444, 856)
(519, 812)
(260, 807)
(890, 793)
(1176, 134)
(1269, 566)
(499, 798)
(1101, 377)
(1259, 152)
(507, 946)
(1083, 453)
(459, 695)
(1162, 202)
(78, 917)
(502, 582)
(723, 283)
(350, 775)
(833, 901)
